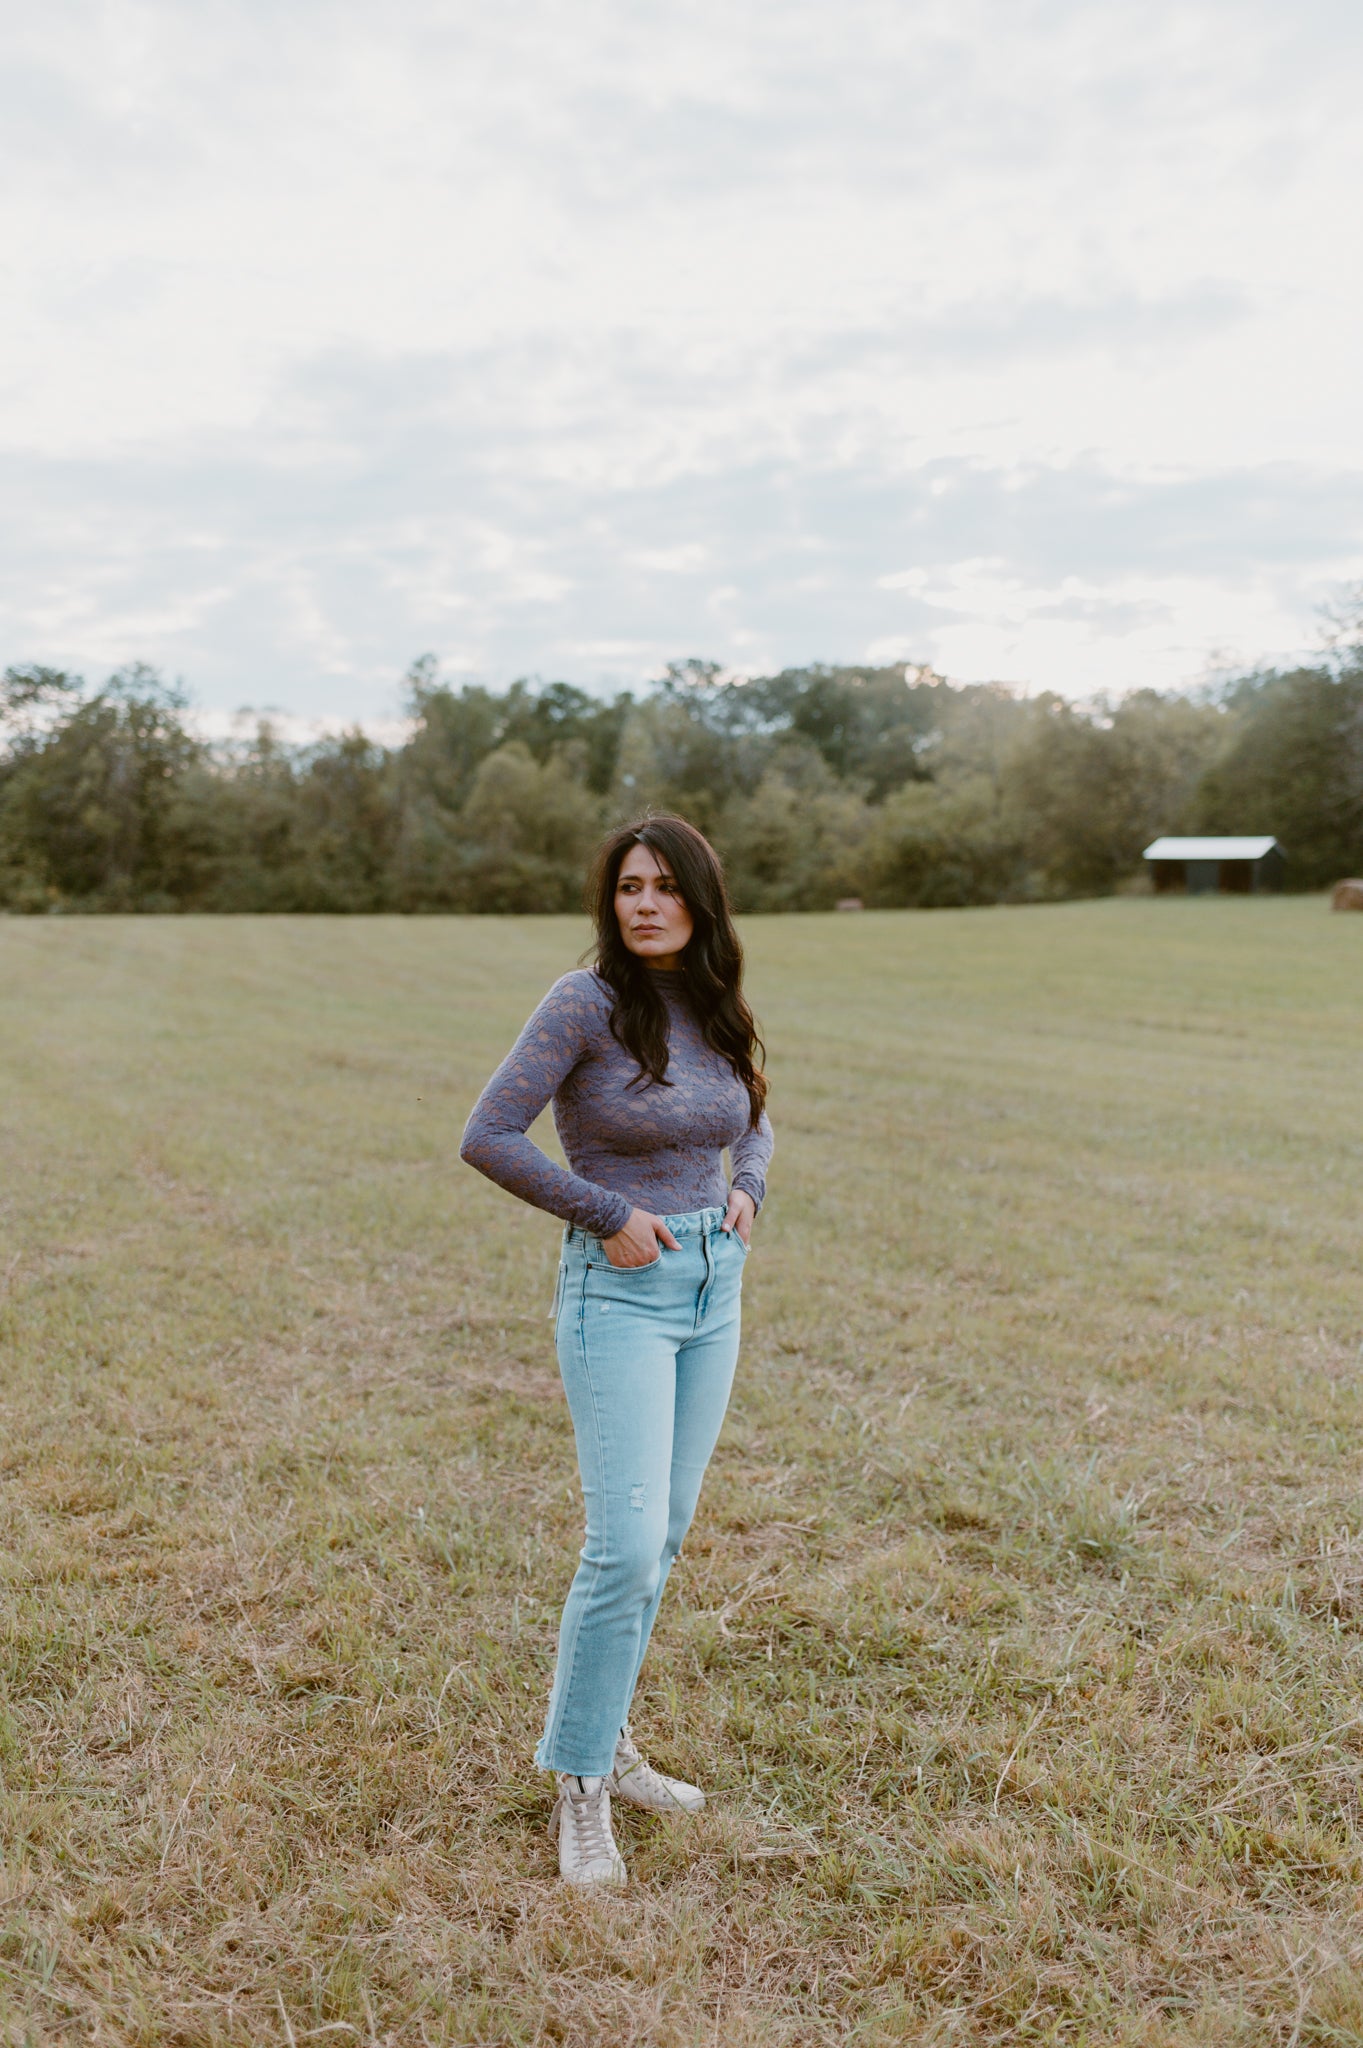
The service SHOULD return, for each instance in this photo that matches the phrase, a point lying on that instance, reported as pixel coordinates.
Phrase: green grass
(1018, 1638)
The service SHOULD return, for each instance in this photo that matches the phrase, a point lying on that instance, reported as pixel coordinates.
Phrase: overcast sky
(1019, 336)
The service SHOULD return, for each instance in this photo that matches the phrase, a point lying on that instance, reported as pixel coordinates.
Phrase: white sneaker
(638, 1784)
(582, 1822)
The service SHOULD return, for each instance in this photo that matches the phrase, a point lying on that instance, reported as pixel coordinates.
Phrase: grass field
(1020, 1637)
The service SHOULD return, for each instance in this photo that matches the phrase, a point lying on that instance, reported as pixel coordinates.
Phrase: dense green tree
(979, 728)
(795, 842)
(90, 811)
(871, 725)
(1087, 790)
(1293, 766)
(675, 754)
(347, 823)
(245, 803)
(453, 731)
(942, 846)
(451, 734)
(528, 831)
(559, 719)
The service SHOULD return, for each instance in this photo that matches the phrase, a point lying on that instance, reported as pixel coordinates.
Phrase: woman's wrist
(611, 1217)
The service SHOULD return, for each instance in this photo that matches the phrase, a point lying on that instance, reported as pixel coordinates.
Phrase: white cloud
(568, 342)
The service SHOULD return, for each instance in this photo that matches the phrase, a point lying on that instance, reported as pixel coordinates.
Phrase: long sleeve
(495, 1141)
(750, 1157)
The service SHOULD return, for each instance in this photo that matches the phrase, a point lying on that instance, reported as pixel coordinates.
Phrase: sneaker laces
(629, 1764)
(589, 1813)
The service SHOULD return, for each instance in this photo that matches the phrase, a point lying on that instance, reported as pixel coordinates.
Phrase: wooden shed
(1201, 867)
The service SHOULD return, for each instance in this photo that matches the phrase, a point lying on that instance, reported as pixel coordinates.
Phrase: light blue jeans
(647, 1356)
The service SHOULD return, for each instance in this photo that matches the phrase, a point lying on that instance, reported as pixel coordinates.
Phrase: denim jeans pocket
(603, 1265)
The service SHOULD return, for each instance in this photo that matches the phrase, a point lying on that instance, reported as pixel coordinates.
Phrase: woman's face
(654, 920)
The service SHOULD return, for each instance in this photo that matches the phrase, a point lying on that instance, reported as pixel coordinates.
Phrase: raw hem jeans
(647, 1355)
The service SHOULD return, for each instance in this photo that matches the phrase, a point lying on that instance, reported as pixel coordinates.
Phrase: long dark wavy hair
(711, 967)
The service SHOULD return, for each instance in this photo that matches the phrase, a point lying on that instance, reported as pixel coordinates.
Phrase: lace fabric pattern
(629, 1143)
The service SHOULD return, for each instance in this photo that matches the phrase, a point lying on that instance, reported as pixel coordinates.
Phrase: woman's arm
(494, 1140)
(750, 1157)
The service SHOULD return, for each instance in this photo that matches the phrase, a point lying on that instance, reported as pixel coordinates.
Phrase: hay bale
(1348, 896)
(850, 903)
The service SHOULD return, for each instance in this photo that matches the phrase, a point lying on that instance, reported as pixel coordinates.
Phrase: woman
(651, 1061)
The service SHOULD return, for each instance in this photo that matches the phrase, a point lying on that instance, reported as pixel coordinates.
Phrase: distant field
(1020, 1638)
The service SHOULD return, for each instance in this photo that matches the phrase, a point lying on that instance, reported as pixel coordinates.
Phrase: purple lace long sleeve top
(628, 1147)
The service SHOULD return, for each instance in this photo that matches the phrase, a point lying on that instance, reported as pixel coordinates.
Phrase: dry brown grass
(1019, 1637)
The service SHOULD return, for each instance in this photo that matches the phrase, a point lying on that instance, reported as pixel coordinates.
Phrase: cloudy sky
(1020, 336)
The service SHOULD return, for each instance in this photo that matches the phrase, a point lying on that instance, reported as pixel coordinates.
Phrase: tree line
(820, 783)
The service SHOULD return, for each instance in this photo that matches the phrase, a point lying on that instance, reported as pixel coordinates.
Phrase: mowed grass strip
(1019, 1636)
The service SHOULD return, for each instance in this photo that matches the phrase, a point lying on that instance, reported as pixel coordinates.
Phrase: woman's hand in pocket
(740, 1213)
(638, 1243)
